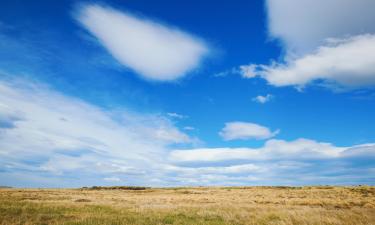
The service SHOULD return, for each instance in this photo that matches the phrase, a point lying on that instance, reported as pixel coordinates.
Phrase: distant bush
(133, 188)
(82, 200)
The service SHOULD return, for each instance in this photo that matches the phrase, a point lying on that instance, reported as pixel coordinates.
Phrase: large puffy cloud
(330, 41)
(151, 49)
(305, 25)
(348, 63)
(245, 130)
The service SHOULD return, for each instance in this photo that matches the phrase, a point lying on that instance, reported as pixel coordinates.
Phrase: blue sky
(166, 93)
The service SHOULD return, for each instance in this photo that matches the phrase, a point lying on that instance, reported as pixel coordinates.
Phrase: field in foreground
(247, 205)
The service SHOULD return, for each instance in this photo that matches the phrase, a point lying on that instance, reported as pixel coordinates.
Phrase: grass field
(215, 205)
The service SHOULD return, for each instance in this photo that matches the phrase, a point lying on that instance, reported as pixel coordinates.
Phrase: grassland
(219, 205)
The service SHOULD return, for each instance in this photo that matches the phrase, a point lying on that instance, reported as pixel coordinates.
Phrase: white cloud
(263, 99)
(305, 25)
(347, 63)
(244, 130)
(153, 50)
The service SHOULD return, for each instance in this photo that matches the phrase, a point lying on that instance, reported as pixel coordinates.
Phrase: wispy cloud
(60, 135)
(245, 130)
(176, 115)
(112, 179)
(247, 71)
(189, 128)
(153, 50)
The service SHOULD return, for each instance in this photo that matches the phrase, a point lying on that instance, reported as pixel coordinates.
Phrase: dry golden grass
(219, 205)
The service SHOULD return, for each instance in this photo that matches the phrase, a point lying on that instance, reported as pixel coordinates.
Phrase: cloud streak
(279, 162)
(273, 150)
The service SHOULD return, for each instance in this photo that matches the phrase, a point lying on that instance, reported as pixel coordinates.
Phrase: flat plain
(200, 205)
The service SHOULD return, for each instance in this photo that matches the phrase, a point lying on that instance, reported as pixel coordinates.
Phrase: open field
(219, 205)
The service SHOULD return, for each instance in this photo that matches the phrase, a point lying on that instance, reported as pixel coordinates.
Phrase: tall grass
(204, 206)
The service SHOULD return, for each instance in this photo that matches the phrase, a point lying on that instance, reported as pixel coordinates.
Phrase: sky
(187, 93)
